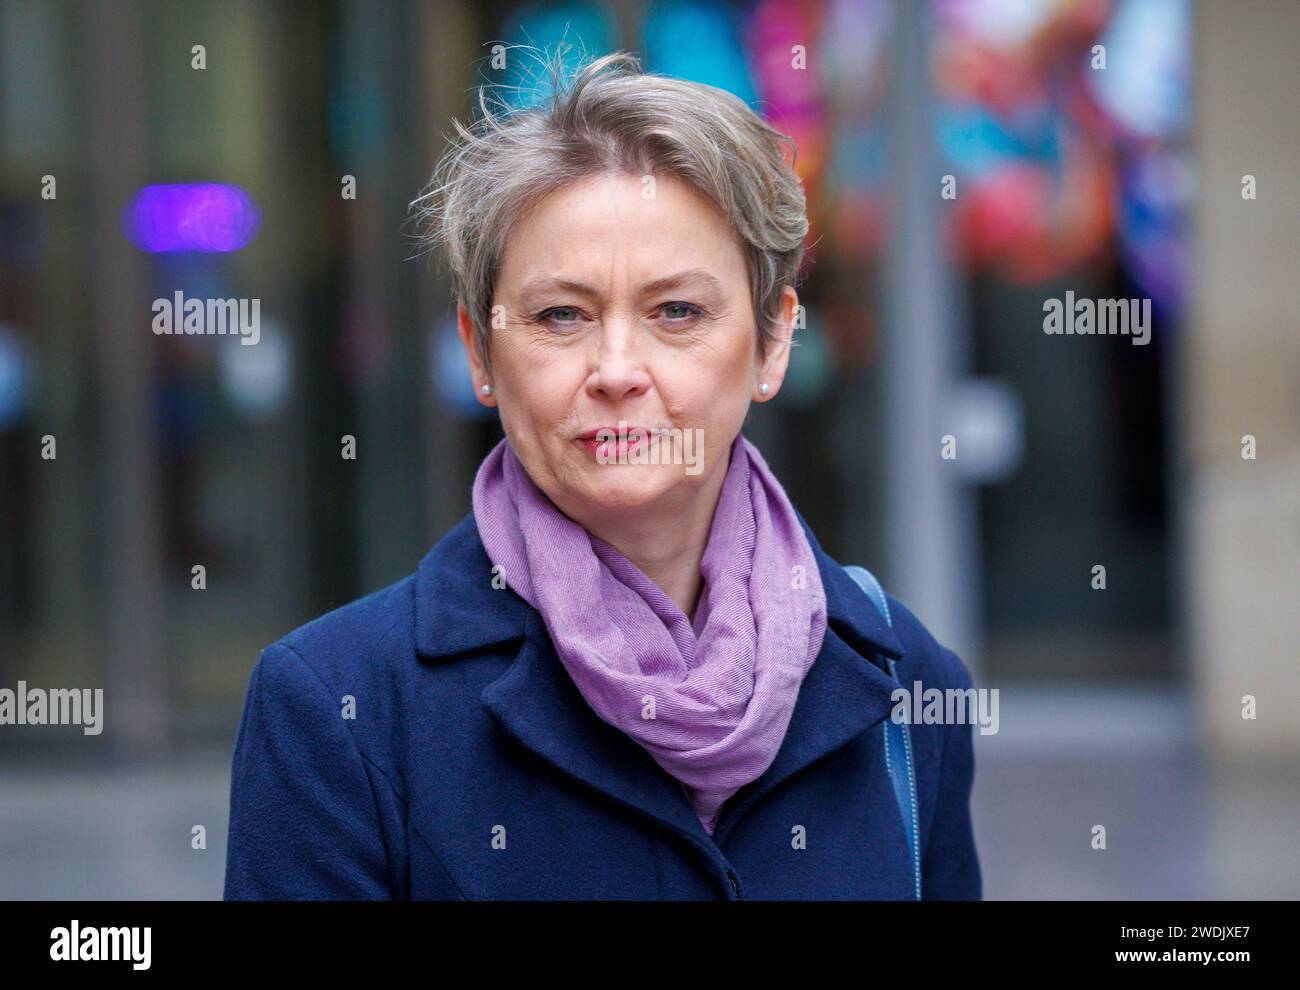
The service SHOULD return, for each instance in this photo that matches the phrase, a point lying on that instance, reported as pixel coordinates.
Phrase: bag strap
(898, 740)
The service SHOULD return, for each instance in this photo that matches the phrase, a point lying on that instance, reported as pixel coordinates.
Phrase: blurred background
(965, 160)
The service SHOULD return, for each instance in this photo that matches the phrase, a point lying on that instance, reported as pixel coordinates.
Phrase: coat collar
(455, 615)
(457, 611)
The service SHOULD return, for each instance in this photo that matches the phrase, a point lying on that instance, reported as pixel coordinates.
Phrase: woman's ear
(772, 369)
(469, 340)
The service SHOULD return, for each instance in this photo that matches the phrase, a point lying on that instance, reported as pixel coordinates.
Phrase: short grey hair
(610, 116)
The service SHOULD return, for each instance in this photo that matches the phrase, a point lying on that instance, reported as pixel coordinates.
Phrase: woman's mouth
(610, 445)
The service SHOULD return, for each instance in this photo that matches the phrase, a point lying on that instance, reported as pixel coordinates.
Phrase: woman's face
(617, 300)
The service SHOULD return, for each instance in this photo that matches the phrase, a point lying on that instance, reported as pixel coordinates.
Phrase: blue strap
(898, 740)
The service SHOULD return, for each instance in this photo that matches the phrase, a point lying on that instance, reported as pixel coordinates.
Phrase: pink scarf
(720, 690)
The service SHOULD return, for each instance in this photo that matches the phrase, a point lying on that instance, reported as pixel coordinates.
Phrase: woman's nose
(618, 368)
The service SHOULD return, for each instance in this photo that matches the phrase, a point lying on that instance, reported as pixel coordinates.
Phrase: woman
(630, 671)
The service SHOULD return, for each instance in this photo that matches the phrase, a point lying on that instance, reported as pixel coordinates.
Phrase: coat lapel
(537, 702)
(458, 611)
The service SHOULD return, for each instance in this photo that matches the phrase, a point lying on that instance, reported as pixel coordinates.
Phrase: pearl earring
(763, 387)
(487, 389)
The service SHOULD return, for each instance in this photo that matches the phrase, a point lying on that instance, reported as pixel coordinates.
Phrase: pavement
(1062, 763)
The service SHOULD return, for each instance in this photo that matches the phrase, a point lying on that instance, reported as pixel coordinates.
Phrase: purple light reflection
(203, 216)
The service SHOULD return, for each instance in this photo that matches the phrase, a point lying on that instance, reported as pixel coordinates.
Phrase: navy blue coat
(472, 768)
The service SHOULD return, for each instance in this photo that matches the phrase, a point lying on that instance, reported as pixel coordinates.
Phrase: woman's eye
(559, 314)
(679, 310)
